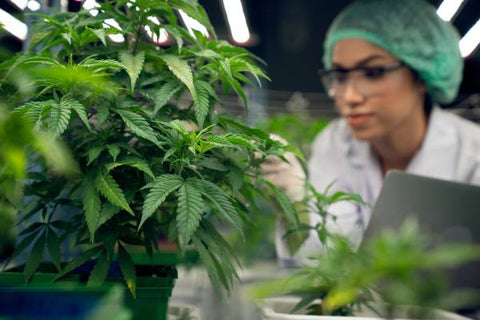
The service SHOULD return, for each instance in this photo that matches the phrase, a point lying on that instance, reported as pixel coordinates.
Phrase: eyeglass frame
(384, 70)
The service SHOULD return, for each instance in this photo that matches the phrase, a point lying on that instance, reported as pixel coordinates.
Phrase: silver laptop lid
(448, 211)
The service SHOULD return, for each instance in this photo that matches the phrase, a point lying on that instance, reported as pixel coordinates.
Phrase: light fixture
(13, 25)
(33, 5)
(21, 4)
(470, 40)
(448, 9)
(193, 24)
(236, 20)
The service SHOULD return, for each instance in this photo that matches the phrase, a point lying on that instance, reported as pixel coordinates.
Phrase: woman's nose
(351, 93)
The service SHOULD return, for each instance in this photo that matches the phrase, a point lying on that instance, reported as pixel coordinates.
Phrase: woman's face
(375, 107)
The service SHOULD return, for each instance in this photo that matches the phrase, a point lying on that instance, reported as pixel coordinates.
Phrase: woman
(387, 64)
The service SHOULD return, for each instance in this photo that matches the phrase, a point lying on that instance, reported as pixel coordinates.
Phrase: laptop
(448, 211)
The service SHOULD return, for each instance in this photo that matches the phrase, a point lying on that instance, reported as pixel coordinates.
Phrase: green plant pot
(42, 298)
(152, 298)
(71, 293)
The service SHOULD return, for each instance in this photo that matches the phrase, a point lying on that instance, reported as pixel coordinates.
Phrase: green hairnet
(411, 31)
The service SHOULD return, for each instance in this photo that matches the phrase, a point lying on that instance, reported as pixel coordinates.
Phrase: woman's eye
(340, 76)
(374, 73)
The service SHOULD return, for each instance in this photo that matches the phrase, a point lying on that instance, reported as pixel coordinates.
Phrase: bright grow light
(21, 4)
(236, 20)
(13, 25)
(448, 9)
(470, 40)
(33, 5)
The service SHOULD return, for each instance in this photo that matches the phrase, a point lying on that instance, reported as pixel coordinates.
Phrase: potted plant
(398, 274)
(156, 160)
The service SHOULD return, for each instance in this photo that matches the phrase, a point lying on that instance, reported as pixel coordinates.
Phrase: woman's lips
(358, 120)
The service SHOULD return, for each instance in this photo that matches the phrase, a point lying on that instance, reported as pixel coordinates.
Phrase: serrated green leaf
(138, 125)
(32, 111)
(60, 117)
(202, 102)
(20, 247)
(53, 245)
(189, 211)
(100, 271)
(68, 37)
(207, 53)
(195, 11)
(208, 261)
(230, 121)
(100, 33)
(134, 162)
(235, 177)
(36, 256)
(128, 269)
(79, 260)
(285, 204)
(79, 109)
(166, 92)
(240, 140)
(34, 227)
(160, 189)
(114, 151)
(101, 64)
(108, 211)
(181, 70)
(220, 200)
(102, 114)
(94, 153)
(221, 254)
(176, 33)
(212, 164)
(133, 65)
(91, 207)
(109, 188)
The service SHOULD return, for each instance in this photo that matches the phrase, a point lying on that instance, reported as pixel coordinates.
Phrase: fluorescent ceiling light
(193, 24)
(33, 5)
(448, 9)
(236, 20)
(470, 40)
(13, 25)
(22, 4)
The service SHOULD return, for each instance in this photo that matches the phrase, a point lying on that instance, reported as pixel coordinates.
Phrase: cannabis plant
(16, 139)
(157, 161)
(400, 268)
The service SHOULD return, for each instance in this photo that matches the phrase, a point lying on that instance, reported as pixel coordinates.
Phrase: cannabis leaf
(128, 269)
(202, 103)
(159, 191)
(109, 188)
(133, 65)
(166, 92)
(181, 70)
(220, 200)
(91, 206)
(138, 125)
(189, 212)
(60, 117)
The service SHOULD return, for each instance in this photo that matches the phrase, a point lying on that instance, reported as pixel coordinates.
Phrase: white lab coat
(451, 151)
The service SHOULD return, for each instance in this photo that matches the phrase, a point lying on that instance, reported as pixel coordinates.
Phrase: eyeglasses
(368, 81)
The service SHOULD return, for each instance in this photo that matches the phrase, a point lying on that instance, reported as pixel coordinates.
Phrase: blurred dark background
(288, 35)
